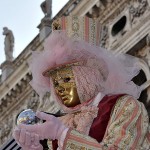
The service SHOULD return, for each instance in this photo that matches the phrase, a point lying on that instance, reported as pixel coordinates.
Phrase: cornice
(13, 79)
(84, 7)
(32, 46)
(17, 101)
(16, 94)
(68, 8)
(113, 9)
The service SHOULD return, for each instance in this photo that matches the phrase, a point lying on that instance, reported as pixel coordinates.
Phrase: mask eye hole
(61, 90)
(56, 84)
(67, 79)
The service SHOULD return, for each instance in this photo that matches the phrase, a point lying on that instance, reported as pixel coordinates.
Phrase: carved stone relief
(44, 102)
(33, 101)
(5, 129)
(109, 2)
(145, 52)
(137, 9)
(13, 95)
(104, 36)
(94, 12)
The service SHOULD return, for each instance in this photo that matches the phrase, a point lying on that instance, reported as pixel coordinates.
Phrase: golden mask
(65, 87)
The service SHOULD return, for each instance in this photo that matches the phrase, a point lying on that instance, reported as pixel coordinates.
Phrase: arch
(141, 78)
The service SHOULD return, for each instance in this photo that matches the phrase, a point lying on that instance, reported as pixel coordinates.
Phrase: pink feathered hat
(75, 41)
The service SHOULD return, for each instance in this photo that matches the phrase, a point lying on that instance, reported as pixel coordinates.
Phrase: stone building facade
(125, 29)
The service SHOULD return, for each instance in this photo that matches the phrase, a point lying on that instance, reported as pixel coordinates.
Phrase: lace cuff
(62, 138)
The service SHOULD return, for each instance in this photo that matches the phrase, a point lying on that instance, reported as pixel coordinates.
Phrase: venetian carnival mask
(64, 85)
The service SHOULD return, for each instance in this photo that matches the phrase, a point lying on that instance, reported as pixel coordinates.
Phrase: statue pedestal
(45, 28)
(7, 68)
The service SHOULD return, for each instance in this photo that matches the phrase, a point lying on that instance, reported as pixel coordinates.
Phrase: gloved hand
(28, 141)
(51, 129)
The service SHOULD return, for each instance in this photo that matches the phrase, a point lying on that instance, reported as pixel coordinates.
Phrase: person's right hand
(28, 141)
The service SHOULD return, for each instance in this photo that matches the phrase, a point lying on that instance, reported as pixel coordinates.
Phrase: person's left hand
(51, 129)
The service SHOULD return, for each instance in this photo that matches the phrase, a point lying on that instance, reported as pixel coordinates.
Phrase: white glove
(27, 140)
(51, 129)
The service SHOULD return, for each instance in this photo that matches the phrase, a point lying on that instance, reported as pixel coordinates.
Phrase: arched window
(119, 26)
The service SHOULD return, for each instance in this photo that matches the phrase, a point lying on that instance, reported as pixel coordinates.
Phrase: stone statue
(46, 7)
(8, 43)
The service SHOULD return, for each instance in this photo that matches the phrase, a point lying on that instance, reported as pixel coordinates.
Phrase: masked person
(92, 86)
